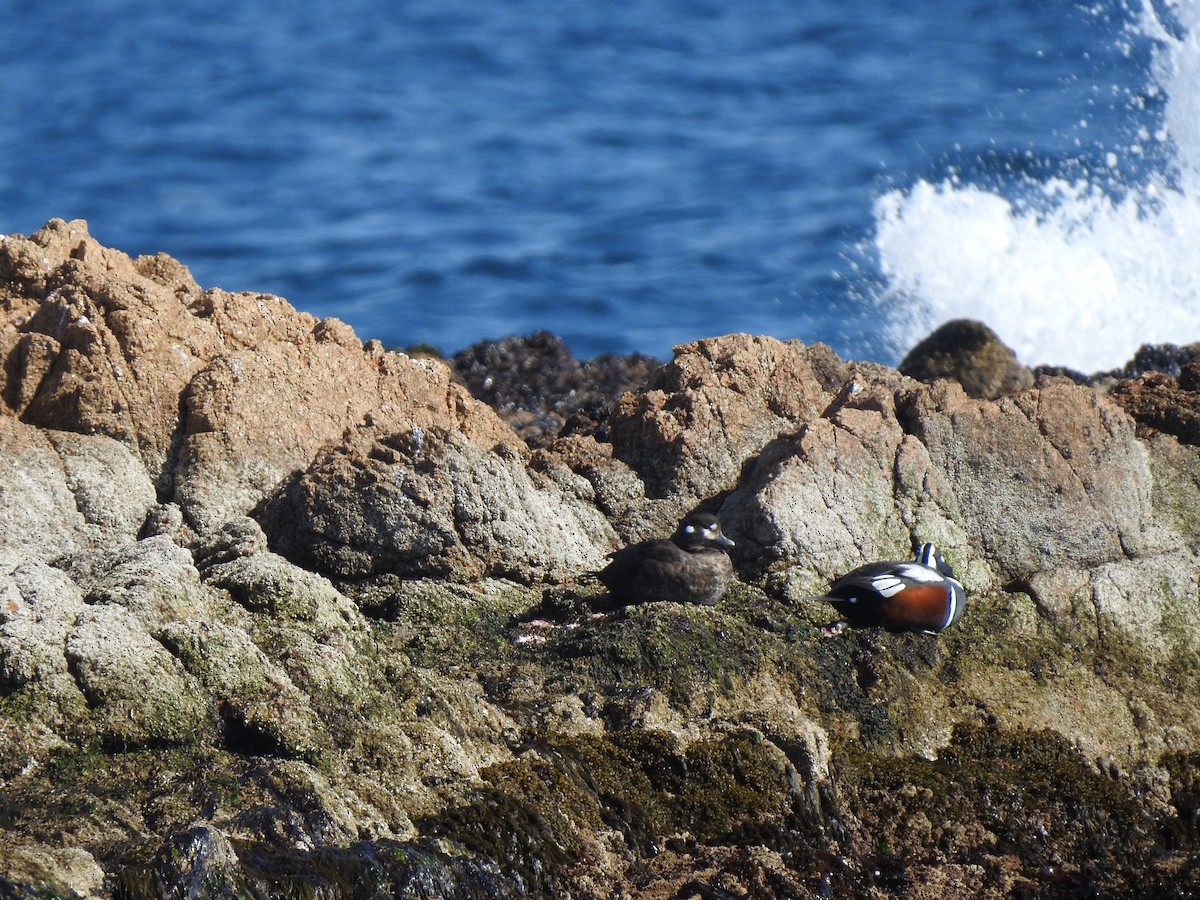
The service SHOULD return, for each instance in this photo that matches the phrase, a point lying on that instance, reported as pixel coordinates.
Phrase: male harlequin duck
(922, 595)
(692, 567)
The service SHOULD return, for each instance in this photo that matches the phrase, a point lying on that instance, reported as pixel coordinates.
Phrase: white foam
(1068, 275)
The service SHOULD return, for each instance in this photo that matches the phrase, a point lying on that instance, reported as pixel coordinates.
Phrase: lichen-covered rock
(155, 579)
(702, 416)
(429, 502)
(39, 606)
(613, 486)
(1151, 599)
(260, 710)
(138, 694)
(110, 484)
(1024, 489)
(247, 427)
(64, 491)
(38, 516)
(36, 870)
(268, 584)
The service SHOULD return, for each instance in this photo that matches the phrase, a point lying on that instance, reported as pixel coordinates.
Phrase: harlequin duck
(922, 595)
(692, 567)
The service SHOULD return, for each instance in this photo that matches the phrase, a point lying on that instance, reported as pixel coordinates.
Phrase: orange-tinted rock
(220, 394)
(1162, 403)
(702, 416)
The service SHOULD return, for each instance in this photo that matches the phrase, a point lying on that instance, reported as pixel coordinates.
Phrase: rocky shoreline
(287, 614)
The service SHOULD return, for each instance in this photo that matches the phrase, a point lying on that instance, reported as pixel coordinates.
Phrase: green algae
(570, 806)
(683, 651)
(540, 812)
(995, 792)
(443, 626)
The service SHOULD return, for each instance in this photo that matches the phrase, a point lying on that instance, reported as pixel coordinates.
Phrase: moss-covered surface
(997, 793)
(496, 741)
(542, 814)
(1176, 482)
(873, 692)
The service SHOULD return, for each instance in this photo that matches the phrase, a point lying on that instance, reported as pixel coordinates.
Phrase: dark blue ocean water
(628, 175)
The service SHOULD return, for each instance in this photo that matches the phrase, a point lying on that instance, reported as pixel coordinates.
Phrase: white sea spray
(1076, 271)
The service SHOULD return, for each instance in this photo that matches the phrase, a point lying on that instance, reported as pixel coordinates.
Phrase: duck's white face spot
(711, 532)
(689, 529)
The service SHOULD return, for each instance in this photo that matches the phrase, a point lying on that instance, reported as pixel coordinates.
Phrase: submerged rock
(283, 613)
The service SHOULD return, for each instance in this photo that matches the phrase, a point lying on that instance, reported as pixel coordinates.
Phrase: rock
(284, 613)
(238, 538)
(537, 385)
(970, 353)
(792, 505)
(1165, 359)
(704, 415)
(268, 584)
(220, 395)
(195, 862)
(430, 503)
(38, 516)
(137, 693)
(35, 870)
(1161, 402)
(63, 491)
(1055, 463)
(261, 711)
(1049, 477)
(106, 350)
(615, 488)
(1143, 600)
(154, 579)
(111, 487)
(256, 415)
(167, 519)
(39, 606)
